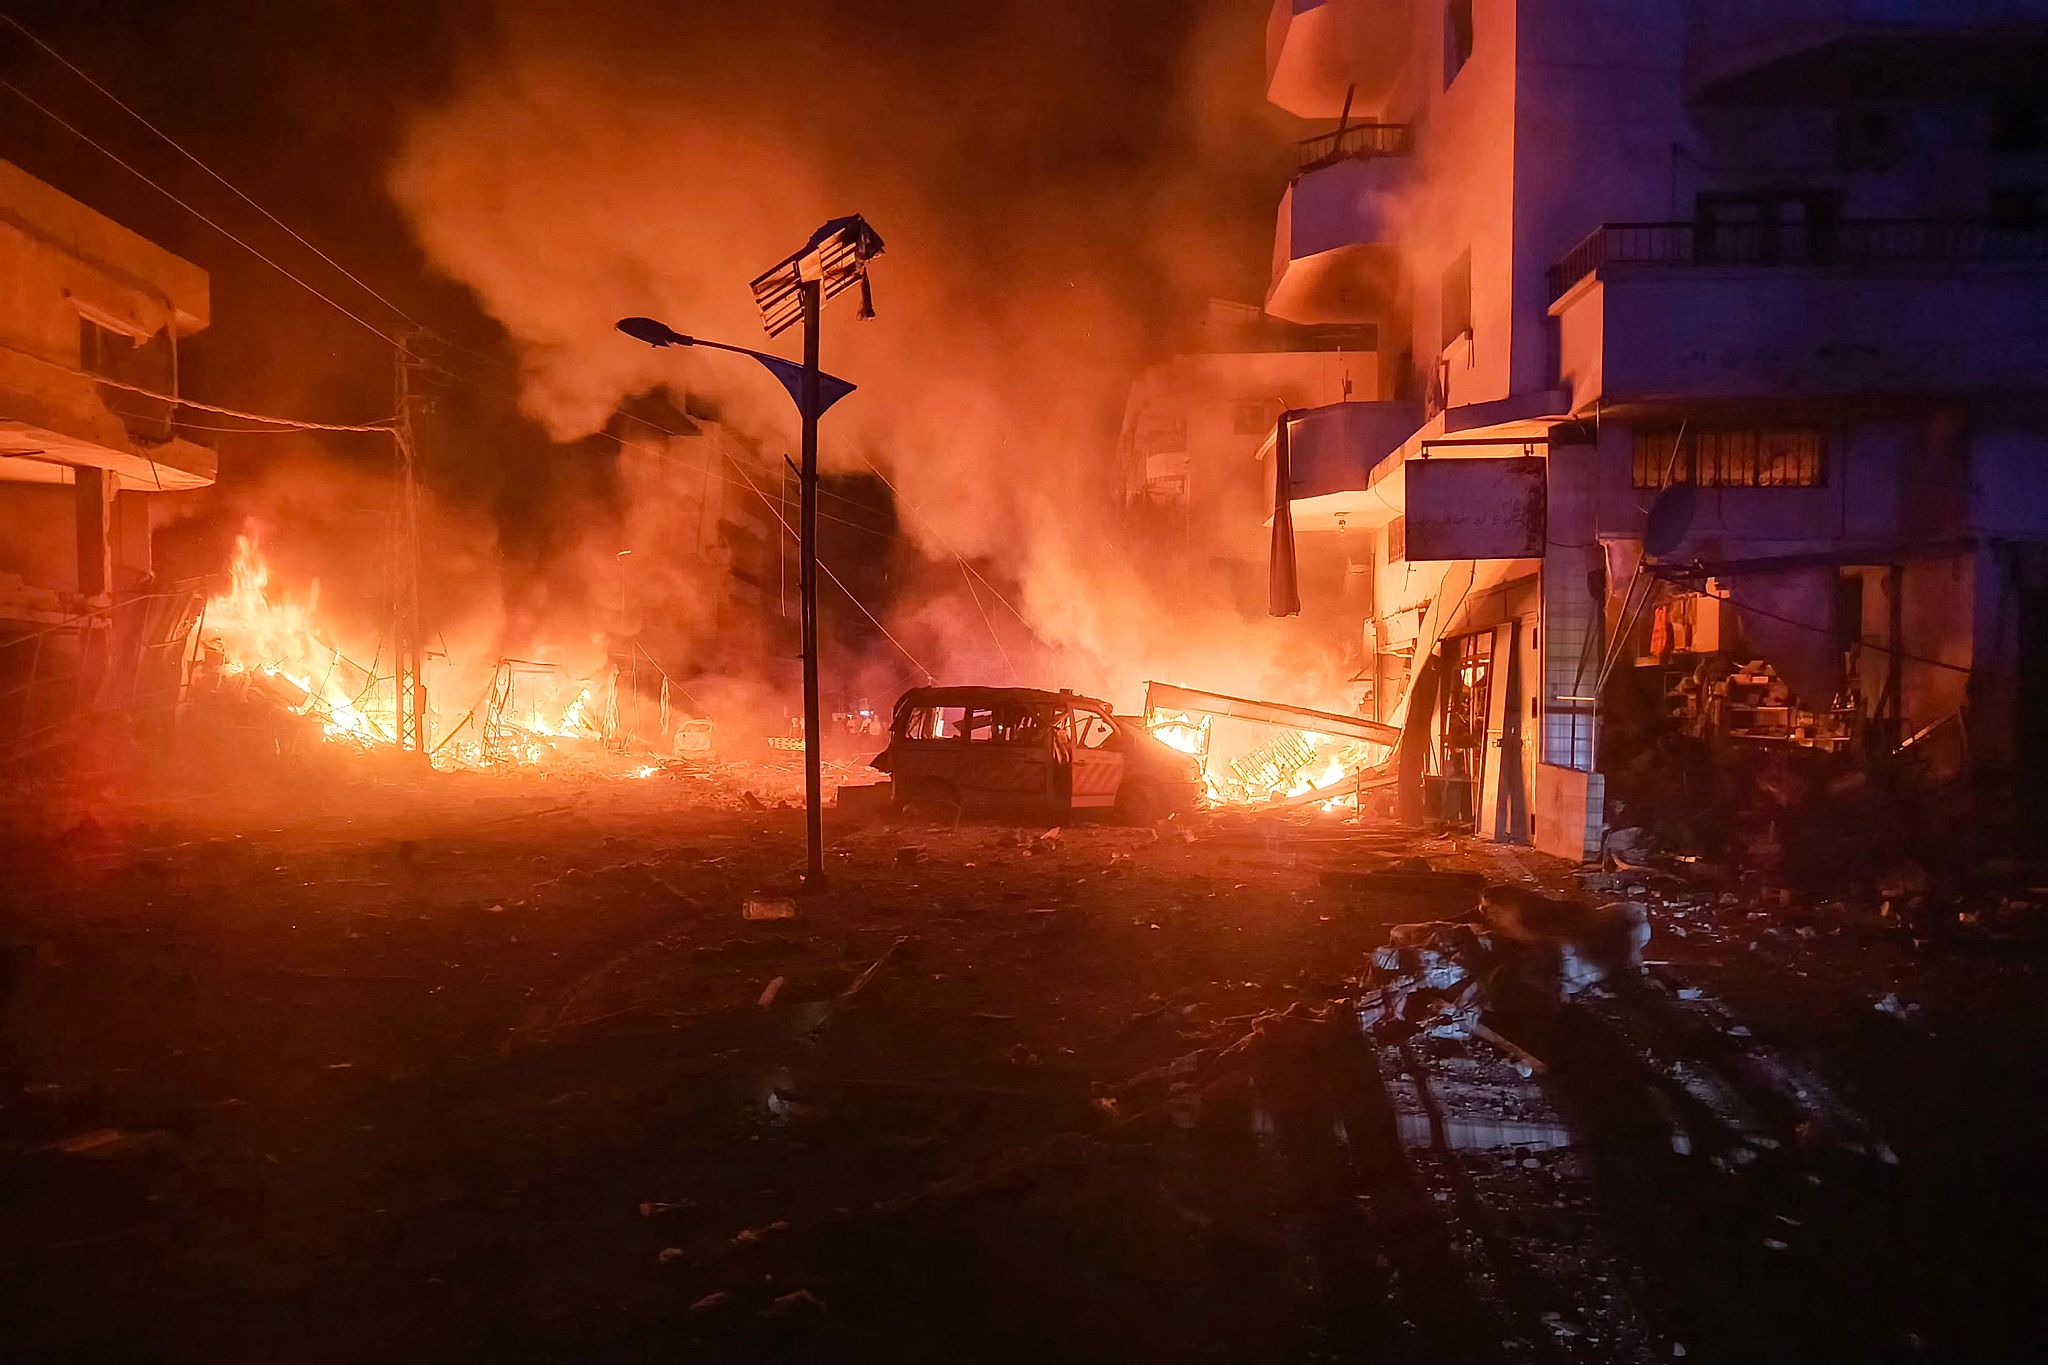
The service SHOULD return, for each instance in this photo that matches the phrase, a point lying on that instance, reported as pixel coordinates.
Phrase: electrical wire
(1743, 607)
(181, 150)
(705, 470)
(352, 316)
(968, 579)
(114, 157)
(776, 512)
(939, 535)
(296, 424)
(822, 492)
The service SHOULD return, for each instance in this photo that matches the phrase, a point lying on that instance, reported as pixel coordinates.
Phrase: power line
(179, 147)
(822, 492)
(945, 545)
(293, 423)
(358, 320)
(776, 512)
(705, 470)
(82, 136)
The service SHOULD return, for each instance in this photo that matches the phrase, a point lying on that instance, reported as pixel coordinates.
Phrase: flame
(263, 632)
(274, 636)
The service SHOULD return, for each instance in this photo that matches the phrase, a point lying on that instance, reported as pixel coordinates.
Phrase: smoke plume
(1058, 186)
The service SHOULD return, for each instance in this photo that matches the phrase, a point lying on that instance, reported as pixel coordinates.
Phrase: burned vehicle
(1020, 750)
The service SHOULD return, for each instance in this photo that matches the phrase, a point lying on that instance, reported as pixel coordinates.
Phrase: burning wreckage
(265, 666)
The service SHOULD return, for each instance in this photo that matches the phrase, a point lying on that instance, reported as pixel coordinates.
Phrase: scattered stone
(712, 1303)
(795, 1307)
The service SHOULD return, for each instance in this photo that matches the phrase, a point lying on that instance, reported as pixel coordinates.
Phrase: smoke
(1058, 186)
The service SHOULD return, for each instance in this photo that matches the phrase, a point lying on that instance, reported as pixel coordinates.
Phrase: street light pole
(833, 261)
(807, 540)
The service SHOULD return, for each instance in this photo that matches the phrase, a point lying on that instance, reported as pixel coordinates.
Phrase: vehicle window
(944, 722)
(1092, 730)
(1019, 725)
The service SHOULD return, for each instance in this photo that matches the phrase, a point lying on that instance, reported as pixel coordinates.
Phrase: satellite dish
(1670, 519)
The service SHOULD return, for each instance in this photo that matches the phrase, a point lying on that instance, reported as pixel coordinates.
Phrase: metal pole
(814, 783)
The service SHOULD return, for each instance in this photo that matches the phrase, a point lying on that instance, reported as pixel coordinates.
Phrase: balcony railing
(1356, 142)
(1852, 242)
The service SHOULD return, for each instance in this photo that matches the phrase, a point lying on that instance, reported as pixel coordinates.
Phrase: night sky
(303, 107)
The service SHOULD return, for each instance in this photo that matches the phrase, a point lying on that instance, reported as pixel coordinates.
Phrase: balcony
(1745, 49)
(1886, 309)
(1332, 453)
(1326, 56)
(1334, 257)
(56, 420)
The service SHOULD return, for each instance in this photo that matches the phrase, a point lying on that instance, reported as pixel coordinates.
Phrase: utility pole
(814, 782)
(410, 712)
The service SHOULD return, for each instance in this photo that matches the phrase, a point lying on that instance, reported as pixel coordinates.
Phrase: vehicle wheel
(1141, 803)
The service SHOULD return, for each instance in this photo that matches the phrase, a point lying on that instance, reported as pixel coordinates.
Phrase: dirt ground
(469, 1069)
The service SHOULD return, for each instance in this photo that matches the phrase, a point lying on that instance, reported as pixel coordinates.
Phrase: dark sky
(303, 106)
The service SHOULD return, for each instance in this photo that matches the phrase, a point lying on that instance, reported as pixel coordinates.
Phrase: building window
(1160, 433)
(1766, 229)
(1397, 540)
(139, 363)
(1254, 416)
(1457, 38)
(1752, 457)
(1457, 297)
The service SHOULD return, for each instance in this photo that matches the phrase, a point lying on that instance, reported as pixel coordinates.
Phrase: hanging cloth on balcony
(1283, 582)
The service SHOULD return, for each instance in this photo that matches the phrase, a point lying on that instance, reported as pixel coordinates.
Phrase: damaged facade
(1734, 311)
(90, 325)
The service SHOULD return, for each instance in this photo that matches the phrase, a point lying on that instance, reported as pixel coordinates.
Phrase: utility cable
(112, 156)
(181, 150)
(939, 535)
(292, 422)
(776, 512)
(968, 579)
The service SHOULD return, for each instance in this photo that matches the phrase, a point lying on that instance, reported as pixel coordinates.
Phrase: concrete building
(92, 313)
(1765, 289)
(1193, 488)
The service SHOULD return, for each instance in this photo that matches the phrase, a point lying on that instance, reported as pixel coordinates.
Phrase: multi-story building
(1765, 289)
(90, 326)
(1192, 485)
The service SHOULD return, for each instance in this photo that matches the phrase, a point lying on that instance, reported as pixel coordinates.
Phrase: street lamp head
(654, 332)
(836, 258)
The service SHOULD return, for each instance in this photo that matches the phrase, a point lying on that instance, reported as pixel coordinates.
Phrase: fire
(274, 636)
(276, 640)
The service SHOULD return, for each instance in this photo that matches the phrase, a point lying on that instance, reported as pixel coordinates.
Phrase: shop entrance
(1461, 728)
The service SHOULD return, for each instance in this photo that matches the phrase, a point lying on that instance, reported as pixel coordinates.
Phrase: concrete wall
(1464, 197)
(1861, 502)
(64, 265)
(1655, 333)
(39, 536)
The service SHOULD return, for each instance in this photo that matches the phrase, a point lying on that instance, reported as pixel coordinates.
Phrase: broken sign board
(1462, 508)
